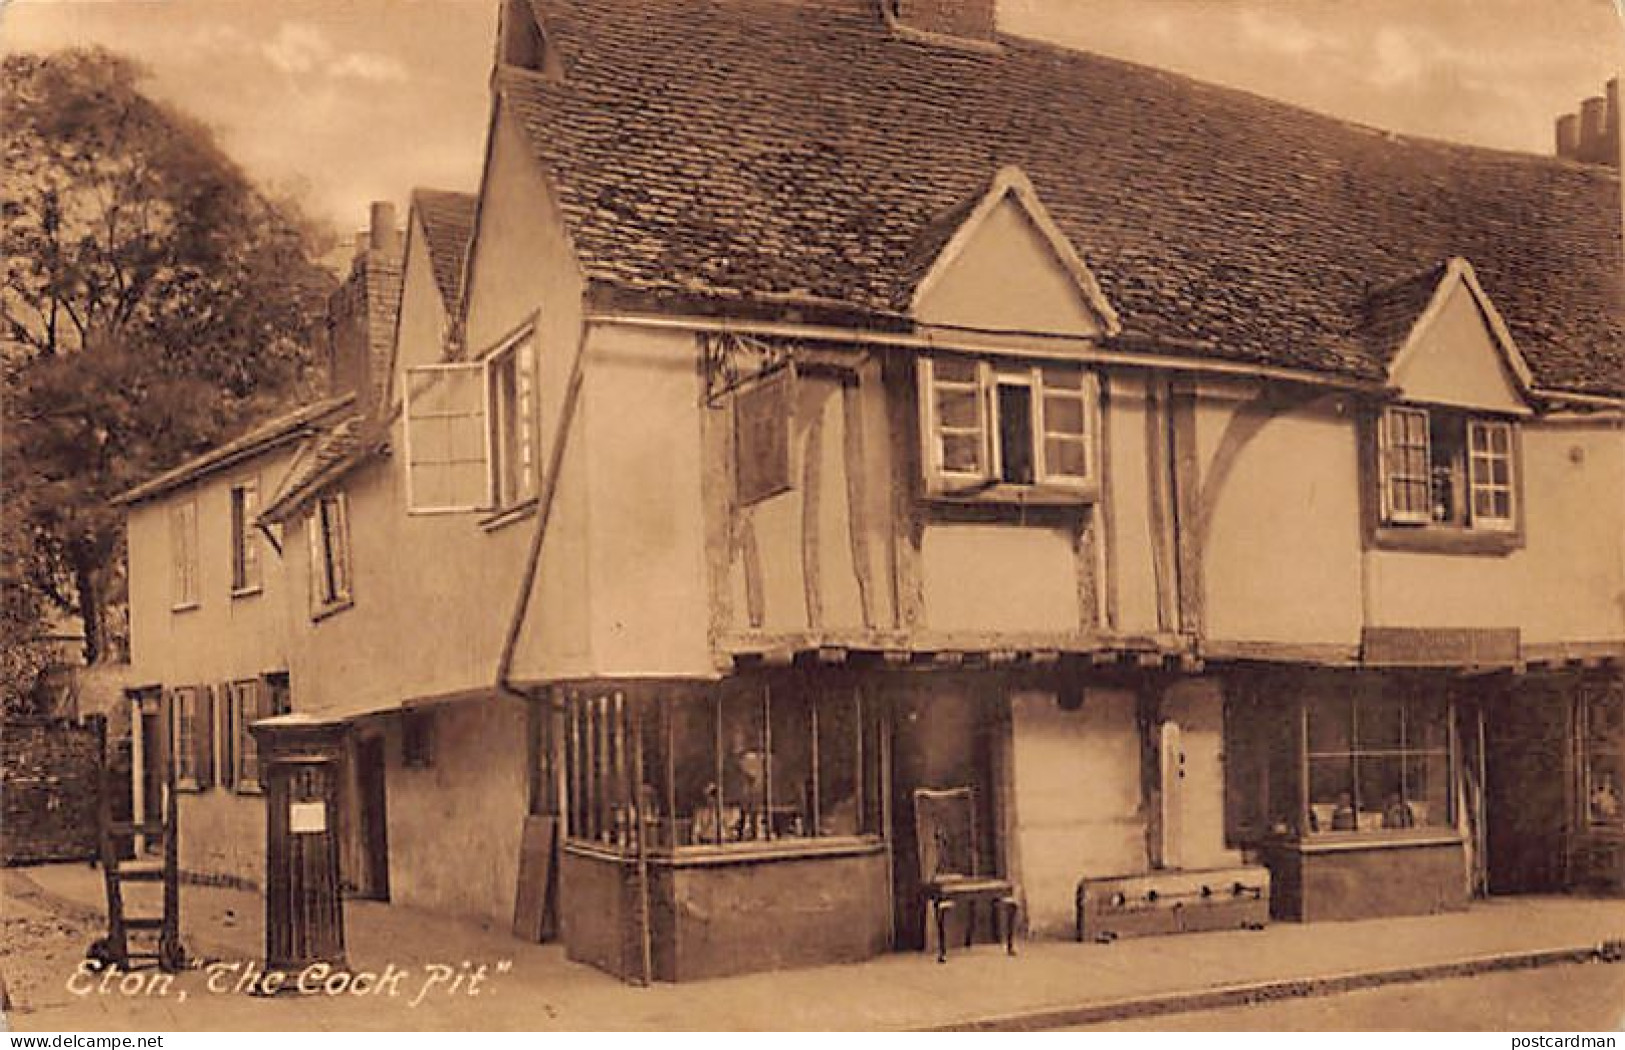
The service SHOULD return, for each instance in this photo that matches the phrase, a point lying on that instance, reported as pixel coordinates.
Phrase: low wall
(50, 789)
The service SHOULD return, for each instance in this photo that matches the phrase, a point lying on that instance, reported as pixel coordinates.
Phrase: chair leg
(940, 910)
(970, 922)
(1008, 906)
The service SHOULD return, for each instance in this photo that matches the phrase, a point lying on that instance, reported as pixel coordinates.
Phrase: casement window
(513, 447)
(747, 765)
(244, 706)
(245, 548)
(992, 427)
(470, 431)
(1442, 467)
(183, 549)
(192, 737)
(330, 576)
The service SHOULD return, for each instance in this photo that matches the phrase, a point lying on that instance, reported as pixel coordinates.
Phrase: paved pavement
(533, 987)
(1584, 998)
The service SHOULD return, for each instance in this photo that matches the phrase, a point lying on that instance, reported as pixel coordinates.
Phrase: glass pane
(1330, 721)
(957, 408)
(466, 438)
(432, 486)
(466, 484)
(1331, 795)
(1501, 505)
(1605, 788)
(1500, 472)
(1381, 793)
(1500, 439)
(744, 764)
(1427, 791)
(1377, 722)
(1065, 457)
(431, 441)
(838, 763)
(694, 750)
(1425, 725)
(962, 453)
(791, 764)
(954, 369)
(654, 794)
(1063, 415)
(1063, 378)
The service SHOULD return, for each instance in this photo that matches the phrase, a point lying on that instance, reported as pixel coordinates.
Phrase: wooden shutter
(226, 728)
(203, 736)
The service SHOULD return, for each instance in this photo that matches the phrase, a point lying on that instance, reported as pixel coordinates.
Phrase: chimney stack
(971, 22)
(1568, 136)
(382, 234)
(361, 313)
(1591, 136)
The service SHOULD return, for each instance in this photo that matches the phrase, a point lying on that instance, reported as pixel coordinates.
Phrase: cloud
(1271, 31)
(300, 49)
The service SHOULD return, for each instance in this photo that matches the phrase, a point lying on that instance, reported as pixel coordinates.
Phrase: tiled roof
(448, 224)
(1389, 313)
(271, 434)
(757, 149)
(329, 455)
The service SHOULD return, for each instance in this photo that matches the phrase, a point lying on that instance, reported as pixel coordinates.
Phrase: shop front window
(1378, 760)
(1603, 709)
(748, 762)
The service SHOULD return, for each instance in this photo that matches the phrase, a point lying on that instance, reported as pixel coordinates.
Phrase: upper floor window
(470, 431)
(1006, 428)
(330, 579)
(1447, 468)
(184, 589)
(245, 551)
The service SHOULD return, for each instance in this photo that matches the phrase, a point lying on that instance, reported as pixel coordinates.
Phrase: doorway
(373, 880)
(1526, 789)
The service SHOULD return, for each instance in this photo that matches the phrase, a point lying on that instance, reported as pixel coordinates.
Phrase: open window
(1444, 469)
(1007, 430)
(331, 586)
(471, 431)
(245, 550)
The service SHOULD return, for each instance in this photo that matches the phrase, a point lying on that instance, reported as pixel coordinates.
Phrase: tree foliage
(154, 302)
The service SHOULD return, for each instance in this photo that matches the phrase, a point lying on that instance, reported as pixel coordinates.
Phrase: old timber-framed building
(824, 402)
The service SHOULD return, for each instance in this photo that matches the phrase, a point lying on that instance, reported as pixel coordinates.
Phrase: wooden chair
(945, 830)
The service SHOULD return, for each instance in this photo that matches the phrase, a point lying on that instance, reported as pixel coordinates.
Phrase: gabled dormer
(1017, 425)
(999, 263)
(1446, 454)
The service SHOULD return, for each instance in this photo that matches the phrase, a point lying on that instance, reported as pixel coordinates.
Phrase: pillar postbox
(300, 757)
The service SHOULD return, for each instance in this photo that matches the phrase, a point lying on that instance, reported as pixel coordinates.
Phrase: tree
(154, 301)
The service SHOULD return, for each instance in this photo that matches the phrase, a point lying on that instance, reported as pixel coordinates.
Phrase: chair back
(945, 831)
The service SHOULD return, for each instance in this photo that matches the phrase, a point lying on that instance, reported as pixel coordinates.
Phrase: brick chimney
(1591, 136)
(361, 313)
(971, 22)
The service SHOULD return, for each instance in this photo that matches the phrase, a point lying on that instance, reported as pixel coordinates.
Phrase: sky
(348, 101)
